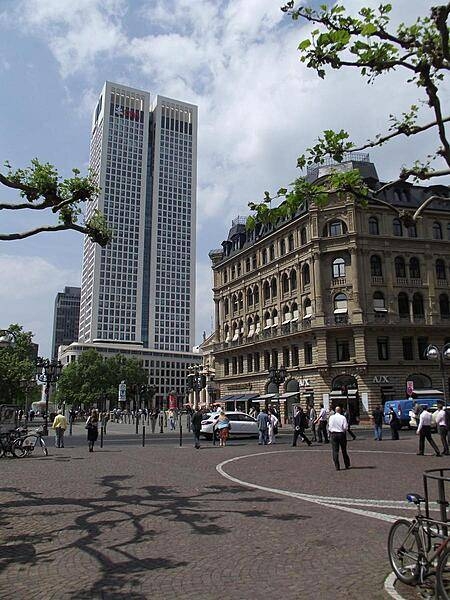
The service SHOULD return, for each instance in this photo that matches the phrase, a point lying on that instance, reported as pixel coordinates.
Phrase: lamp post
(278, 376)
(442, 354)
(196, 381)
(48, 372)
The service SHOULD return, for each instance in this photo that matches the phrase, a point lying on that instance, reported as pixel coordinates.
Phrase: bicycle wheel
(17, 449)
(28, 443)
(404, 550)
(443, 574)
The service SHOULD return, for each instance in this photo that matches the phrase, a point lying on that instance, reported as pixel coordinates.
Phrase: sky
(237, 60)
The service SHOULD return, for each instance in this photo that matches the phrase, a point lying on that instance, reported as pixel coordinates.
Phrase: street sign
(409, 388)
(122, 391)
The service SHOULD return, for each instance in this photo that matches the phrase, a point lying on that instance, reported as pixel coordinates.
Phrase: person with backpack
(300, 424)
(394, 423)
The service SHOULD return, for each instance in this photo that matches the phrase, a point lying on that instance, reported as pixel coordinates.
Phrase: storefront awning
(430, 393)
(264, 397)
(288, 395)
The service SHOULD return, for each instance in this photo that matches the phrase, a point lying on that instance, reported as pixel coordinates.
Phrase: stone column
(357, 310)
(317, 289)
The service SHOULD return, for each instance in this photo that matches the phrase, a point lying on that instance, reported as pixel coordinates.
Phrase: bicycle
(418, 546)
(8, 443)
(28, 442)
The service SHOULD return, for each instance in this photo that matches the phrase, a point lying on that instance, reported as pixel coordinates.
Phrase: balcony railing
(377, 279)
(338, 281)
(337, 320)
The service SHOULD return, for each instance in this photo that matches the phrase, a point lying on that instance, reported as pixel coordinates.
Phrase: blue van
(402, 408)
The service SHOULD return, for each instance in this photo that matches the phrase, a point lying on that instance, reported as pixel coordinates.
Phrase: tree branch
(25, 234)
(40, 206)
(425, 203)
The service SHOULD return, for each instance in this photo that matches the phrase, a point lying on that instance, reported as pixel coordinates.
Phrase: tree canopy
(367, 42)
(42, 189)
(17, 365)
(92, 378)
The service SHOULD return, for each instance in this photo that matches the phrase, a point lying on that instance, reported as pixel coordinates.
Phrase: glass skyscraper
(140, 289)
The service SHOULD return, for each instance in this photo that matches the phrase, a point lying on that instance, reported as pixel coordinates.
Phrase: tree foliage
(42, 189)
(17, 366)
(92, 377)
(367, 42)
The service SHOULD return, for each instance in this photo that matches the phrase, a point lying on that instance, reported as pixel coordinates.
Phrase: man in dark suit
(300, 424)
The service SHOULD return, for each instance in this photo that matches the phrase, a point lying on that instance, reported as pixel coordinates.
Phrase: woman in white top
(273, 426)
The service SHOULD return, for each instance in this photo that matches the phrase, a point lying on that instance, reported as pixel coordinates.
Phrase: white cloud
(27, 295)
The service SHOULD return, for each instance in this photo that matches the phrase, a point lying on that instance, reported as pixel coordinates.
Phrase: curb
(389, 587)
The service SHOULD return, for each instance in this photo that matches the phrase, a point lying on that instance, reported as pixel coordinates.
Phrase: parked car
(402, 409)
(241, 424)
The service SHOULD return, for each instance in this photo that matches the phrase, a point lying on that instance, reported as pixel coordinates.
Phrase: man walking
(300, 424)
(424, 431)
(196, 424)
(263, 426)
(312, 422)
(442, 426)
(377, 417)
(60, 426)
(338, 426)
(321, 421)
(348, 416)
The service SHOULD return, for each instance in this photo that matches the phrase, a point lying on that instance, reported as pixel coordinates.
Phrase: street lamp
(196, 381)
(47, 371)
(278, 376)
(441, 354)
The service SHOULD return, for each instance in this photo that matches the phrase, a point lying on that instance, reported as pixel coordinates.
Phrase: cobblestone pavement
(161, 522)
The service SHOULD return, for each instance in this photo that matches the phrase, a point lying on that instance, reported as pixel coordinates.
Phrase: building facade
(66, 316)
(139, 290)
(345, 298)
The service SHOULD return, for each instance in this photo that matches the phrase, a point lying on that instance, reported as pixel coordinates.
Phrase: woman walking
(223, 426)
(273, 426)
(92, 429)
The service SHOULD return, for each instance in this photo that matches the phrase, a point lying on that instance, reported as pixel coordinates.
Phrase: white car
(241, 424)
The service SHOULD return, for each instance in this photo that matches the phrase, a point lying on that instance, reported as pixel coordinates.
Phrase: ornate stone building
(344, 297)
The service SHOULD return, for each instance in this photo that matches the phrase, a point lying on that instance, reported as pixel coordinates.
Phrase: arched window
(226, 306)
(307, 309)
(294, 311)
(397, 228)
(249, 296)
(403, 304)
(250, 327)
(437, 231)
(293, 280)
(272, 252)
(290, 242)
(240, 301)
(303, 236)
(286, 314)
(257, 324)
(274, 287)
(264, 256)
(375, 266)
(285, 283)
(274, 317)
(282, 247)
(226, 333)
(400, 267)
(225, 276)
(256, 294)
(340, 304)
(306, 277)
(266, 290)
(338, 267)
(267, 320)
(247, 265)
(444, 306)
(373, 226)
(379, 304)
(336, 228)
(417, 305)
(440, 269)
(414, 268)
(412, 231)
(234, 301)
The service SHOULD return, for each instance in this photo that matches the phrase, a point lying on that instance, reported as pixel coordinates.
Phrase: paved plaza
(241, 522)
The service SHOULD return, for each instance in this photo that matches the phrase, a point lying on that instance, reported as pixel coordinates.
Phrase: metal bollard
(70, 428)
(161, 428)
(143, 435)
(214, 436)
(181, 434)
(137, 425)
(101, 436)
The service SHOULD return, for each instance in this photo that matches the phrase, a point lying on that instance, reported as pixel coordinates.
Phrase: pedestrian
(223, 426)
(153, 417)
(338, 427)
(172, 420)
(441, 419)
(60, 426)
(377, 418)
(348, 415)
(92, 429)
(394, 423)
(321, 422)
(272, 426)
(263, 424)
(300, 424)
(312, 422)
(32, 413)
(196, 423)
(424, 431)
